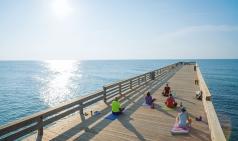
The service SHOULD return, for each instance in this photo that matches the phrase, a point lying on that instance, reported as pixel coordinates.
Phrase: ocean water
(28, 87)
(222, 79)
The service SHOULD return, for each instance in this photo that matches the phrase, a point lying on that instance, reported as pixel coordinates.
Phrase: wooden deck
(138, 122)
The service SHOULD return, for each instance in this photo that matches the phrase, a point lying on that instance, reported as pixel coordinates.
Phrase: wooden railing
(213, 122)
(37, 121)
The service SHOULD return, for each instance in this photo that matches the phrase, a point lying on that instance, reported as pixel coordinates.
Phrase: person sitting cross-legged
(116, 107)
(183, 119)
(149, 100)
(166, 90)
(170, 102)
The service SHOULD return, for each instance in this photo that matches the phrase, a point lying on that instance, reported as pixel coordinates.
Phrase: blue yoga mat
(97, 113)
(111, 117)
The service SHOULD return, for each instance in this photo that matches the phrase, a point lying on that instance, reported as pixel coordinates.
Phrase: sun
(61, 8)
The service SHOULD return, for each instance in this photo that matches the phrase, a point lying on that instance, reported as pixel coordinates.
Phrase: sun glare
(61, 8)
(59, 81)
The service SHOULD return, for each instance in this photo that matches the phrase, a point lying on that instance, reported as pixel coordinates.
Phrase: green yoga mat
(173, 94)
(164, 107)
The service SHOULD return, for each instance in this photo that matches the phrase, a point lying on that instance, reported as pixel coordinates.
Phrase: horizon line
(116, 59)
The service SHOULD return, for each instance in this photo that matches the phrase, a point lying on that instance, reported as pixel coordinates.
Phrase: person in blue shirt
(182, 119)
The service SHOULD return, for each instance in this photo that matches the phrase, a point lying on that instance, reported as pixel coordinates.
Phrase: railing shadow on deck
(183, 99)
(136, 98)
(38, 121)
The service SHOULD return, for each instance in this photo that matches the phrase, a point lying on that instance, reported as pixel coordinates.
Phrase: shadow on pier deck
(68, 120)
(138, 122)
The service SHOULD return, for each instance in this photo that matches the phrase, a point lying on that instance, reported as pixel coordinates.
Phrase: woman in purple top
(149, 100)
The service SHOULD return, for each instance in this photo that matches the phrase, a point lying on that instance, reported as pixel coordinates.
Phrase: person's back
(167, 90)
(183, 117)
(115, 106)
(148, 100)
(170, 102)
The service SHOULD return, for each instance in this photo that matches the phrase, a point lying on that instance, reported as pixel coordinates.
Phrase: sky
(118, 29)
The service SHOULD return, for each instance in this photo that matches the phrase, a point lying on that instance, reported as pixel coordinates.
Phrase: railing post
(152, 75)
(120, 88)
(130, 84)
(105, 94)
(145, 77)
(81, 111)
(138, 81)
(40, 129)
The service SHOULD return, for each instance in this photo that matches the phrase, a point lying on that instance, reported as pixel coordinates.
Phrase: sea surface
(28, 87)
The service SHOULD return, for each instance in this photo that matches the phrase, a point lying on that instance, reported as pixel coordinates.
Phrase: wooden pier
(68, 121)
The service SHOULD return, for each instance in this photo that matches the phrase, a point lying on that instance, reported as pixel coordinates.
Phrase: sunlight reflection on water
(59, 81)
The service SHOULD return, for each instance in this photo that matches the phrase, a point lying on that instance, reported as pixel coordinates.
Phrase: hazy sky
(118, 29)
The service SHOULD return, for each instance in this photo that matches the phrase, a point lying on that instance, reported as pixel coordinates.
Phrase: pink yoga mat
(179, 130)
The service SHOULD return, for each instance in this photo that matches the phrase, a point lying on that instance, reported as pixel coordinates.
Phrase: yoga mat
(97, 113)
(111, 117)
(145, 105)
(164, 107)
(173, 94)
(179, 130)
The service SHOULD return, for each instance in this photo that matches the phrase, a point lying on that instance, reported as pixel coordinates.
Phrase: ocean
(28, 87)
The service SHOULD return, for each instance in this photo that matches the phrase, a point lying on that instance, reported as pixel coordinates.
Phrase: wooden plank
(126, 83)
(112, 89)
(112, 95)
(125, 86)
(112, 92)
(125, 89)
(88, 103)
(17, 125)
(20, 133)
(93, 95)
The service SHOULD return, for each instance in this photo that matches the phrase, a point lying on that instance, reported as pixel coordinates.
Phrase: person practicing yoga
(166, 91)
(149, 100)
(199, 95)
(183, 120)
(116, 107)
(170, 102)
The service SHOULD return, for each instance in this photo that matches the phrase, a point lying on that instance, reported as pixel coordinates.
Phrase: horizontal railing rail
(36, 122)
(126, 86)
